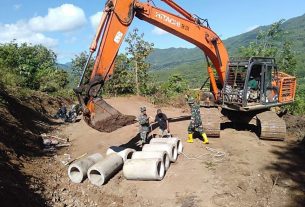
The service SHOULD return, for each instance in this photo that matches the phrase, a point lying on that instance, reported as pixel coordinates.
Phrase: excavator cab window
(253, 85)
(250, 83)
(233, 91)
(261, 85)
(270, 90)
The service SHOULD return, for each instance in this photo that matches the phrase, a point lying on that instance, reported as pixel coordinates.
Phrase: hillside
(295, 28)
(178, 60)
(161, 59)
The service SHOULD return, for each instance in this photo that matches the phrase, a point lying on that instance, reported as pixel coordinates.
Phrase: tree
(32, 67)
(287, 60)
(271, 43)
(137, 51)
(77, 67)
(176, 84)
(266, 44)
(121, 81)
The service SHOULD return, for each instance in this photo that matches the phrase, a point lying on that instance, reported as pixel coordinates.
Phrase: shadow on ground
(290, 170)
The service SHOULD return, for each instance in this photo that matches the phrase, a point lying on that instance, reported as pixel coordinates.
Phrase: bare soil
(22, 120)
(236, 169)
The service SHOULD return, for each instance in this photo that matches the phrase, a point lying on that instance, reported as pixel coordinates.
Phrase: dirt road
(237, 170)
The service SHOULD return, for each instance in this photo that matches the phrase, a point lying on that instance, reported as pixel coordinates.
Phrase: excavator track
(211, 119)
(271, 126)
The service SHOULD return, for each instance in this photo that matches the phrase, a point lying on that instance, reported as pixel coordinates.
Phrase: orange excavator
(241, 90)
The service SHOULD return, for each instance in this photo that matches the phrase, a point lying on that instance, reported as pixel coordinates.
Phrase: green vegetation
(163, 59)
(77, 66)
(137, 51)
(123, 80)
(194, 73)
(30, 67)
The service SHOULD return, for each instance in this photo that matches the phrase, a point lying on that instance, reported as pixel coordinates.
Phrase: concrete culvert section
(125, 153)
(77, 171)
(173, 140)
(144, 169)
(102, 171)
(159, 154)
(170, 148)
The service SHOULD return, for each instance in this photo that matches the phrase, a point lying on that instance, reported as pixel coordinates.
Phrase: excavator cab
(255, 83)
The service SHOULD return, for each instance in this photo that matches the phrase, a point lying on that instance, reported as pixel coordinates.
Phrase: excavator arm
(191, 30)
(115, 21)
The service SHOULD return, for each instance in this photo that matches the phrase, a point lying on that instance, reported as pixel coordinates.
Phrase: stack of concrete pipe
(154, 159)
(149, 164)
(97, 168)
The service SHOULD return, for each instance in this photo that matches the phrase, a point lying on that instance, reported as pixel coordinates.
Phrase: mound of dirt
(295, 126)
(22, 120)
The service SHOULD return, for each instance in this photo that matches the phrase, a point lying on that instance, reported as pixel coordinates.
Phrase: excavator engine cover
(105, 118)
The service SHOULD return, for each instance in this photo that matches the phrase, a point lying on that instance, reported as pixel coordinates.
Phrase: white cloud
(252, 28)
(17, 6)
(158, 31)
(65, 18)
(95, 19)
(20, 32)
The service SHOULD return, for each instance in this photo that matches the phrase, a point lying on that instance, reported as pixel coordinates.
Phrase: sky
(67, 27)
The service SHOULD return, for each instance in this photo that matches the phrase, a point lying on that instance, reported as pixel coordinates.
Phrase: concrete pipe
(144, 169)
(174, 140)
(167, 147)
(148, 155)
(125, 153)
(77, 171)
(102, 171)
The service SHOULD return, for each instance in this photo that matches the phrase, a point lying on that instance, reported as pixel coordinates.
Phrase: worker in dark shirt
(162, 120)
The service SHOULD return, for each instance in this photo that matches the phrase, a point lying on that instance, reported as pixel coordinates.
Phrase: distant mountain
(295, 28)
(167, 61)
(65, 67)
(161, 59)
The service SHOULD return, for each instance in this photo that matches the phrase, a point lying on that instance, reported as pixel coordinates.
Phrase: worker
(144, 124)
(162, 121)
(252, 83)
(62, 112)
(196, 123)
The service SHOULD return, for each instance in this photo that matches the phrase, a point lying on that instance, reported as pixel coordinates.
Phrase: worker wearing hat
(143, 120)
(162, 121)
(196, 123)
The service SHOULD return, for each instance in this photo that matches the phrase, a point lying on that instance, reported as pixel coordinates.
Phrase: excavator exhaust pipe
(105, 118)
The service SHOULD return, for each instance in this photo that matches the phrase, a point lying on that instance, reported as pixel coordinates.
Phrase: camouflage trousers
(143, 136)
(144, 133)
(195, 128)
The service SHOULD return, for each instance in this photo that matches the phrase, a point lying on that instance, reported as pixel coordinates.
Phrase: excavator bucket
(105, 118)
